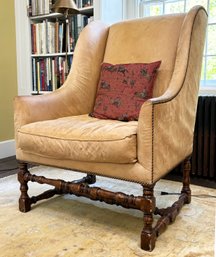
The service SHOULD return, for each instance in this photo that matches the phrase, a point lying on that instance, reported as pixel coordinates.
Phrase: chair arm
(165, 133)
(57, 104)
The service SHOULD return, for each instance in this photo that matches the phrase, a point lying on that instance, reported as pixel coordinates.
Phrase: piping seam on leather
(76, 140)
(54, 158)
(152, 164)
(168, 100)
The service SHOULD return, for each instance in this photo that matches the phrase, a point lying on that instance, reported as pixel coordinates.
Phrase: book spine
(47, 7)
(50, 86)
(47, 36)
(29, 8)
(43, 37)
(53, 78)
(52, 37)
(40, 7)
(32, 39)
(57, 36)
(38, 76)
(42, 75)
(37, 30)
(34, 81)
(61, 31)
(33, 7)
(57, 72)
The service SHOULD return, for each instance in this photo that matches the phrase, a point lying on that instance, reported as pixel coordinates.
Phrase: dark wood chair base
(145, 203)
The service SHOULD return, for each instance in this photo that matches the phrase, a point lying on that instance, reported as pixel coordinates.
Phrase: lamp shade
(63, 6)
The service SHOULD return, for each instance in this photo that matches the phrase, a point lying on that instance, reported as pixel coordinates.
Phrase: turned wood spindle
(148, 235)
(24, 200)
(186, 179)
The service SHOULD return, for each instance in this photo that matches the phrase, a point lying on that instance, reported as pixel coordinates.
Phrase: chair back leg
(186, 179)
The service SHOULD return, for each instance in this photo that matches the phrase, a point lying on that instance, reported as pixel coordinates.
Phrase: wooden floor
(9, 166)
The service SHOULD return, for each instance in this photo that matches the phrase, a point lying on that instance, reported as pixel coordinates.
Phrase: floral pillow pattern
(122, 90)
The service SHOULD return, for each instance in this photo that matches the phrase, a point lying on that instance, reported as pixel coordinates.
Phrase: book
(57, 36)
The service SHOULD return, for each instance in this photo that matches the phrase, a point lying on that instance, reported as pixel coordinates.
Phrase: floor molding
(7, 148)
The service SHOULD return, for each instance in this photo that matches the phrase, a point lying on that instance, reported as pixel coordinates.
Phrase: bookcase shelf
(51, 55)
(48, 42)
(46, 16)
(88, 11)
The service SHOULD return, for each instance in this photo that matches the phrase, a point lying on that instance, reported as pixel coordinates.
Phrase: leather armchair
(56, 130)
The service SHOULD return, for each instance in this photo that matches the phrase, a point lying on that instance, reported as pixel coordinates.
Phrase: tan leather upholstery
(163, 135)
(173, 114)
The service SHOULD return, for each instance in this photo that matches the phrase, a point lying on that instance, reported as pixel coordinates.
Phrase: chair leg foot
(148, 235)
(24, 205)
(148, 241)
(24, 200)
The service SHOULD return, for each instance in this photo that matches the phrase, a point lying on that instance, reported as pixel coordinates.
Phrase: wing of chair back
(77, 95)
(169, 119)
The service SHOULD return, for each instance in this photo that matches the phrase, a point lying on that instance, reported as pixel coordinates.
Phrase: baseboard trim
(7, 148)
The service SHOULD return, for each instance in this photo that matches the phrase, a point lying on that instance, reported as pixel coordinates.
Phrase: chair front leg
(148, 235)
(24, 200)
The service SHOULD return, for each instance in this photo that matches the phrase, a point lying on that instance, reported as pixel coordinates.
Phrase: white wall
(23, 48)
(7, 149)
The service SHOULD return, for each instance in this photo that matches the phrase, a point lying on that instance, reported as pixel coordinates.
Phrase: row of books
(50, 37)
(48, 74)
(41, 7)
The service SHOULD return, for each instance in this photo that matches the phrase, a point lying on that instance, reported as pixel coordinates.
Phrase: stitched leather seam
(152, 164)
(77, 140)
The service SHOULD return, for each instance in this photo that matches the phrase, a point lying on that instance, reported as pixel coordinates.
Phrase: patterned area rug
(71, 226)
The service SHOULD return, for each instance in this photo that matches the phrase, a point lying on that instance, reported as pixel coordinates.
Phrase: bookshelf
(47, 40)
(107, 11)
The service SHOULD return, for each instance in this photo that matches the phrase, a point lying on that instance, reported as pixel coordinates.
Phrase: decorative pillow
(122, 90)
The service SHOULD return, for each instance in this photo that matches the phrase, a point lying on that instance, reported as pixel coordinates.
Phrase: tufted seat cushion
(81, 138)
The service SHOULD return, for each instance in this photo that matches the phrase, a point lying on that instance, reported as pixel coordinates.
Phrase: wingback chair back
(167, 38)
(173, 39)
(56, 130)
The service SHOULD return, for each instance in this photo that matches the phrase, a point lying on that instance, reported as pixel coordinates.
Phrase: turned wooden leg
(186, 179)
(148, 235)
(24, 200)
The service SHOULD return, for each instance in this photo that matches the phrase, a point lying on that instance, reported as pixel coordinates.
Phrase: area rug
(75, 226)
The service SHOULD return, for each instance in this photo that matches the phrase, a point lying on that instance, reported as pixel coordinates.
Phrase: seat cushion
(81, 138)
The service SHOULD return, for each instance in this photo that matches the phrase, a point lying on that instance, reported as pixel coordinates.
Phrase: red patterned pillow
(122, 90)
